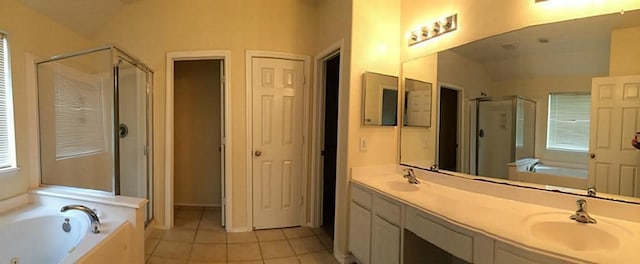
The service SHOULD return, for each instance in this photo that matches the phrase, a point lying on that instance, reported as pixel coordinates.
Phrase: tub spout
(95, 222)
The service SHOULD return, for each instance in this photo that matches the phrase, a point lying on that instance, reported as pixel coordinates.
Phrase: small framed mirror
(380, 100)
(417, 103)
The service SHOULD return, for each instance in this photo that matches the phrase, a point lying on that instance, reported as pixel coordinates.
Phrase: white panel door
(277, 86)
(615, 117)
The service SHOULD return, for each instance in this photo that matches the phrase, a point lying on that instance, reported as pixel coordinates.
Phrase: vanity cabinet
(375, 227)
(509, 254)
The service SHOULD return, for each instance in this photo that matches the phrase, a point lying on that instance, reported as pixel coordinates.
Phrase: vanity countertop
(505, 219)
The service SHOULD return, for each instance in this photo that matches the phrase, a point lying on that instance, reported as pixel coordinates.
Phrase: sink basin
(557, 229)
(575, 236)
(402, 186)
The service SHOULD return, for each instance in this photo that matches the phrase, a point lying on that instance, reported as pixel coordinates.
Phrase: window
(7, 136)
(568, 121)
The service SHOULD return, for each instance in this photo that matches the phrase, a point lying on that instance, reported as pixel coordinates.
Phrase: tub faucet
(411, 177)
(532, 167)
(95, 222)
(581, 214)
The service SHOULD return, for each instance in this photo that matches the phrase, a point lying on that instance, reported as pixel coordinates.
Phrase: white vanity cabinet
(509, 254)
(374, 227)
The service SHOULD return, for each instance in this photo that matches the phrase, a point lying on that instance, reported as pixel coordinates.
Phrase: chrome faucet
(95, 222)
(410, 176)
(581, 214)
(591, 191)
(532, 167)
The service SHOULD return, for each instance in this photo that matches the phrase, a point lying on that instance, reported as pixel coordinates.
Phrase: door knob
(258, 153)
(592, 155)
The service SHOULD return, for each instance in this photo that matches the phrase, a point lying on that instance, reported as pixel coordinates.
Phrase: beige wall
(625, 52)
(197, 127)
(29, 32)
(150, 29)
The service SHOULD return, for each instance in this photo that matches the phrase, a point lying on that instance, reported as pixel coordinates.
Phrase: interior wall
(29, 33)
(197, 128)
(624, 52)
(150, 29)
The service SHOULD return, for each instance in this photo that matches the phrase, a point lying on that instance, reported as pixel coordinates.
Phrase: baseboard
(240, 229)
(343, 258)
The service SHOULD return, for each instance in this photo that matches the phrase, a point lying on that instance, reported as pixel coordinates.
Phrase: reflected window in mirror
(380, 100)
(417, 103)
(568, 121)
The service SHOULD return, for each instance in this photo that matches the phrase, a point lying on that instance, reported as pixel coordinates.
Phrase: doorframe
(461, 128)
(172, 57)
(318, 104)
(250, 54)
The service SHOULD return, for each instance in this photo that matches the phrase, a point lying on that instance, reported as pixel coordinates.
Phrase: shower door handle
(258, 153)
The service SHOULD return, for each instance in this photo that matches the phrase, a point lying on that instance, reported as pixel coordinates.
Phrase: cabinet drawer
(387, 210)
(441, 235)
(361, 196)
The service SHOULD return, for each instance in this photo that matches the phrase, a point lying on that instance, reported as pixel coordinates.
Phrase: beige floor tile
(205, 252)
(157, 234)
(211, 237)
(158, 260)
(172, 249)
(205, 262)
(326, 241)
(270, 235)
(306, 245)
(289, 260)
(318, 258)
(297, 232)
(150, 245)
(243, 252)
(246, 262)
(188, 213)
(276, 249)
(186, 223)
(210, 225)
(181, 235)
(318, 231)
(241, 237)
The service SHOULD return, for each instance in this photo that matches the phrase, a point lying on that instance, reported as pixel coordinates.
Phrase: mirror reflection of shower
(502, 132)
(95, 123)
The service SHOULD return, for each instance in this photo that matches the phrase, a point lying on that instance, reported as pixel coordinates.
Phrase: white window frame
(585, 132)
(10, 163)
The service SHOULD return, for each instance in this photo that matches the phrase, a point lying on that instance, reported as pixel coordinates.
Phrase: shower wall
(95, 123)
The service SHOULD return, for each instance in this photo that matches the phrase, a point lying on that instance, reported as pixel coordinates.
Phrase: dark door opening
(330, 147)
(448, 130)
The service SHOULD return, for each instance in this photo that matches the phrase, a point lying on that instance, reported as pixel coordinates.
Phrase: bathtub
(31, 229)
(560, 171)
(40, 239)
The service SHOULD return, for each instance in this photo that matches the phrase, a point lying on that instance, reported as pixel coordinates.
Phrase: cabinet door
(385, 242)
(360, 233)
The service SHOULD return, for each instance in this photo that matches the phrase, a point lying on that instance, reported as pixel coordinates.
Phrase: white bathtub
(561, 171)
(40, 239)
(31, 229)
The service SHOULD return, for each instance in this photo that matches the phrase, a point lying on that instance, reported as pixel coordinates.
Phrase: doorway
(331, 76)
(449, 131)
(224, 111)
(198, 133)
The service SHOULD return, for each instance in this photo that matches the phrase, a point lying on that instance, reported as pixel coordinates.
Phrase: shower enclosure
(95, 122)
(502, 131)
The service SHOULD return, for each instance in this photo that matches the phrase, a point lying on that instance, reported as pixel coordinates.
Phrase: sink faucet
(411, 177)
(581, 214)
(591, 191)
(95, 222)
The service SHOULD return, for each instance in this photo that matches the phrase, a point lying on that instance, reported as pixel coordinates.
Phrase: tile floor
(198, 238)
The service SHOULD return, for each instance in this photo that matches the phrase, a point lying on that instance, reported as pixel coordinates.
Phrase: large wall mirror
(556, 105)
(380, 102)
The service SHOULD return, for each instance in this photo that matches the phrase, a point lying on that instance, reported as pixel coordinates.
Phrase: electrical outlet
(363, 144)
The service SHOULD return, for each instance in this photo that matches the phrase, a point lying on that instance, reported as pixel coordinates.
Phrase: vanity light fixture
(434, 29)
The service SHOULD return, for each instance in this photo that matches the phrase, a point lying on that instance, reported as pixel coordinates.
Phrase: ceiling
(580, 46)
(85, 17)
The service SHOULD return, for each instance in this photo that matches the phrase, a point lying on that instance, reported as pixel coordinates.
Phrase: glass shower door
(133, 150)
(495, 137)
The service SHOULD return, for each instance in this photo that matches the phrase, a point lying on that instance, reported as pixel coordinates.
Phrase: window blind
(7, 149)
(568, 122)
(79, 125)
